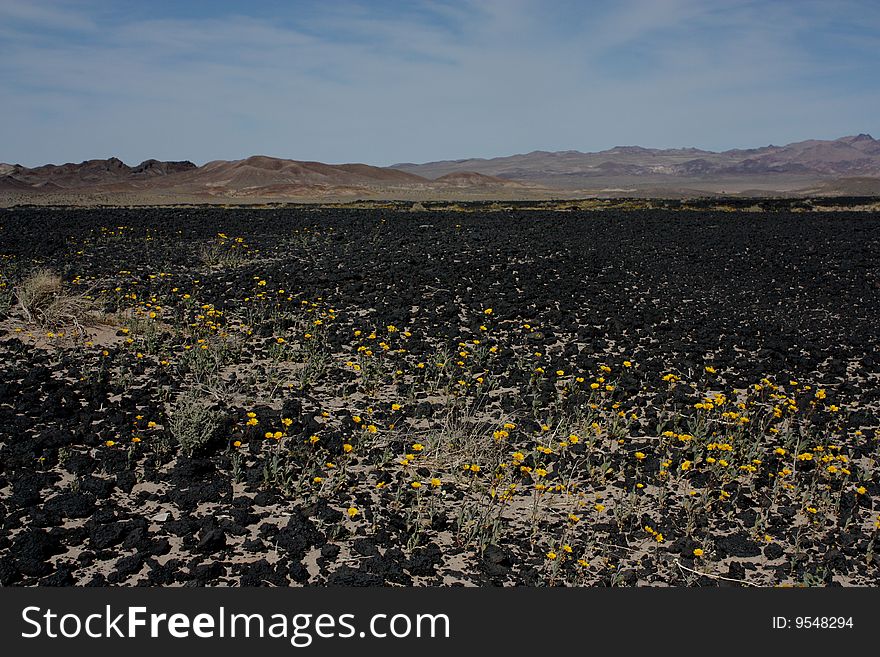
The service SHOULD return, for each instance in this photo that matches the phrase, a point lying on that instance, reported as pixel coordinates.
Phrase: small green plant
(193, 422)
(7, 294)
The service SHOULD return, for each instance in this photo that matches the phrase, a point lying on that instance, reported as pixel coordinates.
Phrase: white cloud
(446, 80)
(46, 15)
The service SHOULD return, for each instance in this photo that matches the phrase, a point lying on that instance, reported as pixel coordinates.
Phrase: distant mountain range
(813, 159)
(91, 173)
(813, 166)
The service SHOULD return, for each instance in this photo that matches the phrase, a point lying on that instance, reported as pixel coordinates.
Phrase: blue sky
(384, 82)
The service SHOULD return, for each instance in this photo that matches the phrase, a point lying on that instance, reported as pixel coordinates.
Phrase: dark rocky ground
(487, 397)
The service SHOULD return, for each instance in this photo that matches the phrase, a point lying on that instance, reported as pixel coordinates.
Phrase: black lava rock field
(491, 397)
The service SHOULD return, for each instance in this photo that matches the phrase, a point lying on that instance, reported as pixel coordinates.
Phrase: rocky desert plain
(628, 368)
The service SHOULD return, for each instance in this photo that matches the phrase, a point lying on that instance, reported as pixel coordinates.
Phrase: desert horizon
(847, 166)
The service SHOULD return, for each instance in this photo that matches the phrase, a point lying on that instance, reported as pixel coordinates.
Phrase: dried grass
(43, 300)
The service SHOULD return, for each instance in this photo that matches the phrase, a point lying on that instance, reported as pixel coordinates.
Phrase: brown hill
(151, 167)
(859, 186)
(261, 171)
(90, 174)
(474, 179)
(262, 176)
(9, 183)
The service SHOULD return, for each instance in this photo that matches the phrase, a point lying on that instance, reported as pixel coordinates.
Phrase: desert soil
(342, 396)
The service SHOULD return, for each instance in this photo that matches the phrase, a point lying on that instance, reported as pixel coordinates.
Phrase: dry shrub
(194, 422)
(224, 253)
(44, 301)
